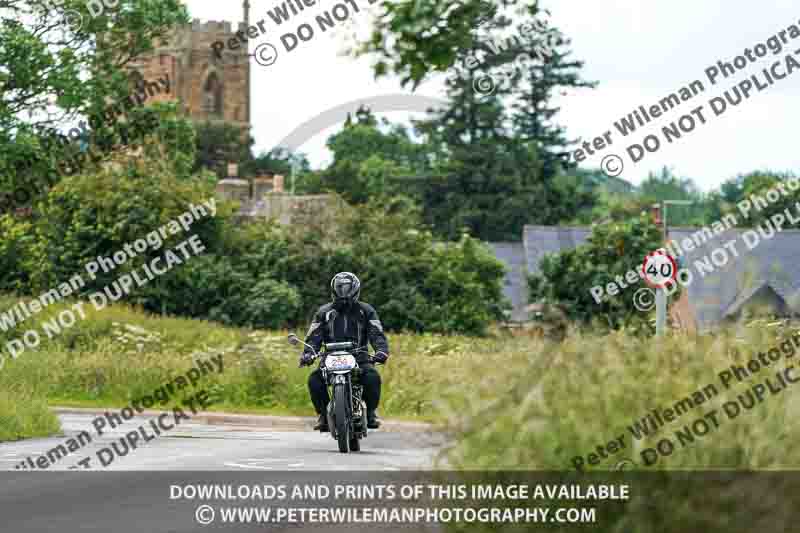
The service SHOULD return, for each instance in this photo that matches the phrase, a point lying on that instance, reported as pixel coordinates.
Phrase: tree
(280, 161)
(547, 70)
(371, 158)
(420, 284)
(367, 137)
(219, 144)
(413, 38)
(97, 213)
(757, 184)
(493, 170)
(486, 179)
(612, 250)
(667, 186)
(53, 74)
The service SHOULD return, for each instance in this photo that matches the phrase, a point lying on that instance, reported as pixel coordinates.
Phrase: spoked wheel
(340, 414)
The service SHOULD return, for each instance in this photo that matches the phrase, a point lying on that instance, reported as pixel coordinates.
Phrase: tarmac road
(135, 491)
(227, 443)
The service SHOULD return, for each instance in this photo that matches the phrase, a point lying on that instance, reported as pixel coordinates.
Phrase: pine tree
(470, 145)
(545, 67)
(491, 180)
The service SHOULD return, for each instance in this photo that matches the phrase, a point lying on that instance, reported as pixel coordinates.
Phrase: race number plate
(340, 362)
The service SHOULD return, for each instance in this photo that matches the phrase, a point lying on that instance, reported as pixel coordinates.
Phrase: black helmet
(345, 288)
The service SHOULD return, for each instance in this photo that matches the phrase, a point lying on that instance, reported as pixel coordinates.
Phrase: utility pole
(293, 167)
(661, 295)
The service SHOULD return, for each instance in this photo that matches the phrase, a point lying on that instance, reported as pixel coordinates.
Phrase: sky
(638, 52)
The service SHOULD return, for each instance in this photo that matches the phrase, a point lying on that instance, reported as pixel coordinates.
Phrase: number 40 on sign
(659, 269)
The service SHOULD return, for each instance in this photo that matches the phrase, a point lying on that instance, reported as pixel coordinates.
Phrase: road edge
(265, 421)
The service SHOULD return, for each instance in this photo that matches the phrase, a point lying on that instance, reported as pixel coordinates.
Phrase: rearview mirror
(293, 340)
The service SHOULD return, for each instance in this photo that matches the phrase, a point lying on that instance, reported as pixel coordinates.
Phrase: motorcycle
(347, 411)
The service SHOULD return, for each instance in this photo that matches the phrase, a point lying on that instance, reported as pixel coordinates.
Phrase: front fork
(357, 409)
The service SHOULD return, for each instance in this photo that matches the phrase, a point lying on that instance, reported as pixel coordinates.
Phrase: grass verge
(550, 407)
(511, 403)
(23, 417)
(121, 354)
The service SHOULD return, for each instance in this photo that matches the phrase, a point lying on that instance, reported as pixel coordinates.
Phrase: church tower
(208, 88)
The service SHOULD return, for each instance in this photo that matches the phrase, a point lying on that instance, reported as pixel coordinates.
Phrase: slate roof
(523, 257)
(512, 254)
(762, 289)
(541, 240)
(773, 262)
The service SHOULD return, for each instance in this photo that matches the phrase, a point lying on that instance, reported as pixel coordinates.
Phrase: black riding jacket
(358, 323)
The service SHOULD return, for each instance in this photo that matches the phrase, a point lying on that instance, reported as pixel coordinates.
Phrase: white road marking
(249, 466)
(295, 465)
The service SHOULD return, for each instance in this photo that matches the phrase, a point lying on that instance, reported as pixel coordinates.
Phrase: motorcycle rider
(347, 319)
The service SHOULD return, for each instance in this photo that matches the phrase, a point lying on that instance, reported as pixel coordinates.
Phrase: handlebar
(371, 359)
(293, 339)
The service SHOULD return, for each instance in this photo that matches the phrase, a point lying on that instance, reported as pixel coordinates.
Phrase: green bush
(96, 214)
(257, 273)
(14, 242)
(217, 287)
(414, 282)
(612, 250)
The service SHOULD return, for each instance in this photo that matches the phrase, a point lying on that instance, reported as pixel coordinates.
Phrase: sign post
(659, 269)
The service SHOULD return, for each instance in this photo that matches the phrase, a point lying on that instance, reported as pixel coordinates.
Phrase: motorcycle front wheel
(340, 415)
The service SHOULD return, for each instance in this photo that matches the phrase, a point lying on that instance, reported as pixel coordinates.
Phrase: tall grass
(545, 405)
(119, 354)
(25, 416)
(505, 402)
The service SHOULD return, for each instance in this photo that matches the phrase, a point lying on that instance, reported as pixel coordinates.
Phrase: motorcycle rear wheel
(340, 416)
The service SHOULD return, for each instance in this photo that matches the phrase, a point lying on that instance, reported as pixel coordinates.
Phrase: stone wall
(295, 209)
(264, 198)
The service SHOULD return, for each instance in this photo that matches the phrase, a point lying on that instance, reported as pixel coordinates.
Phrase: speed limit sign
(659, 269)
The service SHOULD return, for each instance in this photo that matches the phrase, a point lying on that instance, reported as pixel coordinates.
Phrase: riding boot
(322, 424)
(373, 422)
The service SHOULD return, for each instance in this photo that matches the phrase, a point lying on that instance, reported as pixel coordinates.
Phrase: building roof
(541, 240)
(773, 265)
(773, 262)
(515, 288)
(521, 258)
(762, 289)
